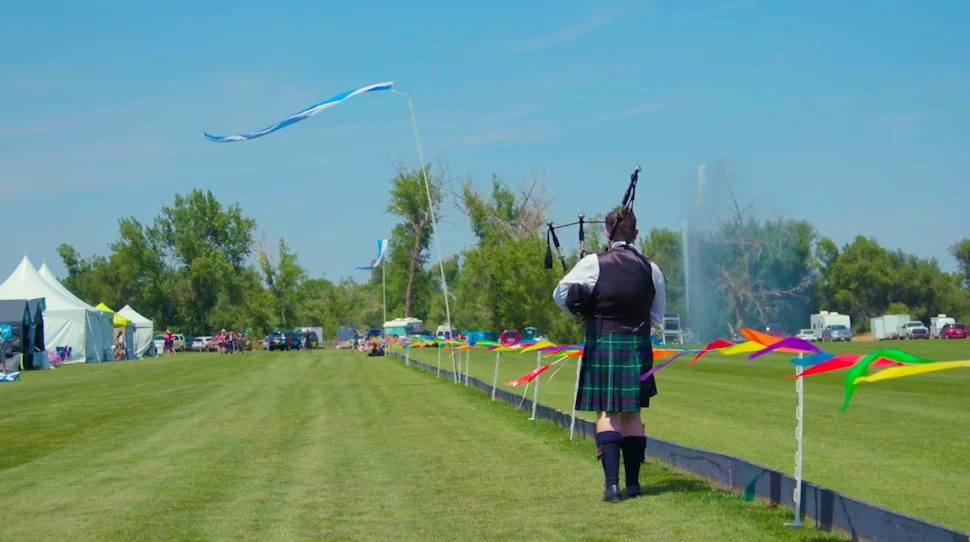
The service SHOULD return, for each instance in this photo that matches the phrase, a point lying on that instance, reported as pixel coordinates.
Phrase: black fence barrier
(823, 508)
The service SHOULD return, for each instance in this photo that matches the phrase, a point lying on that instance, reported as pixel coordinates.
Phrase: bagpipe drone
(553, 240)
(578, 298)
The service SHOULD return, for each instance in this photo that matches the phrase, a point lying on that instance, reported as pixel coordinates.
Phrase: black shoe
(632, 492)
(612, 494)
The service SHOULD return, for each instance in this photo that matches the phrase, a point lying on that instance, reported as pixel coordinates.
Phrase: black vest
(621, 300)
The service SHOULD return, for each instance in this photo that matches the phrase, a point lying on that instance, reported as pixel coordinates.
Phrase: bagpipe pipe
(552, 240)
(578, 297)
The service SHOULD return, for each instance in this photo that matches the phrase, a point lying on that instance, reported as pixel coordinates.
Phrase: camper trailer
(818, 322)
(937, 322)
(888, 326)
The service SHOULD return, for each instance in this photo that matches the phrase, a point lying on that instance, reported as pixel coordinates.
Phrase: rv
(818, 322)
(403, 327)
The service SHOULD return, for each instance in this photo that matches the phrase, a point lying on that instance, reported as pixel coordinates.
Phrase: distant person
(169, 343)
(375, 349)
(120, 352)
(619, 293)
(6, 350)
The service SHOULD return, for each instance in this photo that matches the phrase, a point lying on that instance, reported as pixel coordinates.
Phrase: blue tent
(22, 327)
(15, 329)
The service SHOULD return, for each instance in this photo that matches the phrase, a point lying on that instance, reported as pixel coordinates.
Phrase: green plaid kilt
(609, 378)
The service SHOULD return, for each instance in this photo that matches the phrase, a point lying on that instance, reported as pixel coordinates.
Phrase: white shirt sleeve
(659, 307)
(586, 271)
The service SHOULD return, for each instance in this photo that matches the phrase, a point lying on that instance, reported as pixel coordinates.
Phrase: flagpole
(799, 443)
(427, 188)
(384, 291)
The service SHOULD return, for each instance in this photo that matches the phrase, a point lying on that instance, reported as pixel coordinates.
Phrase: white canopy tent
(144, 330)
(68, 321)
(104, 334)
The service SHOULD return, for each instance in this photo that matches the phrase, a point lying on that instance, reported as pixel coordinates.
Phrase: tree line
(198, 268)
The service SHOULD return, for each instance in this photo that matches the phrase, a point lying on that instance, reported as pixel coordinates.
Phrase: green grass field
(903, 444)
(286, 446)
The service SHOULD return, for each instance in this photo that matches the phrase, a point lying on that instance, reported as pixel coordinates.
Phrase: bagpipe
(552, 240)
(578, 299)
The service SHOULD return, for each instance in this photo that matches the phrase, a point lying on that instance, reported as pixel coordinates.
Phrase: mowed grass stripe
(285, 446)
(901, 444)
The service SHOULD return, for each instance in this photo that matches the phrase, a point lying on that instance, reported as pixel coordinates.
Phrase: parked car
(836, 332)
(200, 344)
(807, 335)
(314, 340)
(278, 340)
(178, 342)
(510, 337)
(914, 330)
(443, 333)
(954, 331)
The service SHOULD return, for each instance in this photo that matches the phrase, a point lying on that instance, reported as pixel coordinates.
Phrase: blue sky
(852, 115)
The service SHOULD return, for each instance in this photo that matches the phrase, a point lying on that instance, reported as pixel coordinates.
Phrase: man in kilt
(619, 294)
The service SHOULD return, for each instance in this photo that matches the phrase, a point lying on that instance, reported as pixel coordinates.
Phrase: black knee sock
(608, 448)
(634, 453)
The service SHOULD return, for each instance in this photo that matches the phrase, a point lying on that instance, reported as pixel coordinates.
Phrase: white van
(443, 333)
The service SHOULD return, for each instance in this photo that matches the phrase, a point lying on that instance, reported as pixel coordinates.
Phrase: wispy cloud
(78, 168)
(308, 164)
(642, 109)
(566, 34)
(527, 133)
(515, 113)
(39, 84)
(14, 131)
(790, 55)
(910, 117)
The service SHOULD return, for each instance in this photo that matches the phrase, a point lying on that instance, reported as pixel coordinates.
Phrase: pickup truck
(836, 332)
(178, 342)
(914, 330)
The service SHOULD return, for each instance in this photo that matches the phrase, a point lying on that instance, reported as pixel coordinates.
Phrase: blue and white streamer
(381, 250)
(305, 114)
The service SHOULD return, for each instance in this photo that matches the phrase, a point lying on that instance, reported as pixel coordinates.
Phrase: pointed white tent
(144, 330)
(104, 335)
(66, 322)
